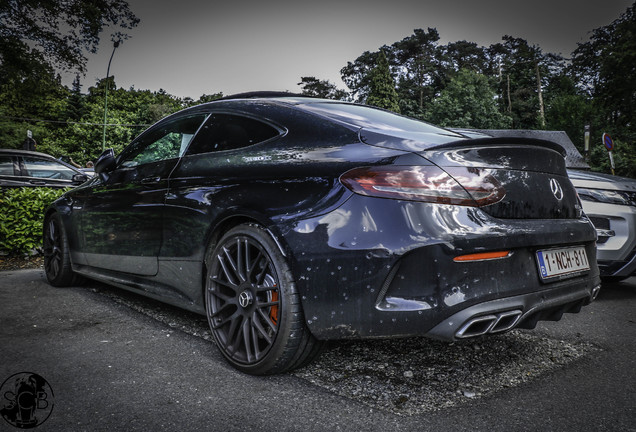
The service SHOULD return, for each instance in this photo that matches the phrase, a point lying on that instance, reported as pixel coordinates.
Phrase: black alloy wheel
(252, 305)
(57, 261)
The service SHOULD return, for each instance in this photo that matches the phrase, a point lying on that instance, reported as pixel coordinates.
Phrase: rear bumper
(385, 268)
(523, 311)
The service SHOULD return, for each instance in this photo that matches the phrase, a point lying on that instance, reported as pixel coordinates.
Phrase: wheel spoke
(268, 304)
(219, 311)
(265, 288)
(230, 285)
(232, 263)
(236, 334)
(52, 232)
(257, 324)
(55, 266)
(242, 247)
(226, 271)
(262, 275)
(218, 293)
(246, 330)
(254, 264)
(255, 339)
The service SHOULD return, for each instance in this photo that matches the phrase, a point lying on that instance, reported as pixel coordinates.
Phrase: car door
(122, 211)
(39, 171)
(10, 171)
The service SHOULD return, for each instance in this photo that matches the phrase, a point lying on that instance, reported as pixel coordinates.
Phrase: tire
(57, 260)
(252, 304)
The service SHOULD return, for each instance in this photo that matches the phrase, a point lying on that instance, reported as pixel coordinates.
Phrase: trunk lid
(531, 172)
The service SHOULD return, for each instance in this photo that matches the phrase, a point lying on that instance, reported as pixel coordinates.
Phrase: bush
(21, 217)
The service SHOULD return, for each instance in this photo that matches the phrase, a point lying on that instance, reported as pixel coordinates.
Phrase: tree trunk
(541, 109)
(509, 100)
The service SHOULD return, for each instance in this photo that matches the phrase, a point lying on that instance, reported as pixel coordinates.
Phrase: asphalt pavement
(110, 367)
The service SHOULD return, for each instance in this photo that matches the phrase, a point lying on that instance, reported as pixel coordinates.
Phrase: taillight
(454, 185)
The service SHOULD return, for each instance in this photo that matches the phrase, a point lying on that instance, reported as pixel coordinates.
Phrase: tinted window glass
(47, 169)
(227, 132)
(6, 166)
(367, 117)
(166, 141)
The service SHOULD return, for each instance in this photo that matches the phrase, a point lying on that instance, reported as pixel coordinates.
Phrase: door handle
(151, 180)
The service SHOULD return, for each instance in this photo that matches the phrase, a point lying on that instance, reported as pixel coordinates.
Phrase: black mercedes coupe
(289, 221)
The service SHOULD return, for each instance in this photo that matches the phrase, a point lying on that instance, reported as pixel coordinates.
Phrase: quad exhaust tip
(489, 324)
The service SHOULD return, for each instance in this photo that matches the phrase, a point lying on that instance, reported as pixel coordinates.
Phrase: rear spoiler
(502, 141)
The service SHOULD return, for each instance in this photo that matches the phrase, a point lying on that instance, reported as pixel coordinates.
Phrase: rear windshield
(371, 118)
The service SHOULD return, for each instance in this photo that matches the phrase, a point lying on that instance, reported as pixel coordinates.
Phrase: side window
(6, 166)
(228, 132)
(47, 169)
(166, 141)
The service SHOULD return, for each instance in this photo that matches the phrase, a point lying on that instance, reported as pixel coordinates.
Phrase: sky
(193, 47)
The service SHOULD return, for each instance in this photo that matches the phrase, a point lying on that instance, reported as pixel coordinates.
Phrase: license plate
(562, 262)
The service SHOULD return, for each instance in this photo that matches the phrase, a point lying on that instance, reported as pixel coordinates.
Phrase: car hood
(595, 180)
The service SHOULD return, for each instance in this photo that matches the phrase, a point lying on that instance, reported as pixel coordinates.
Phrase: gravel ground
(403, 376)
(21, 262)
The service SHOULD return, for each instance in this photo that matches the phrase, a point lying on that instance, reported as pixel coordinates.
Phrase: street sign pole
(587, 143)
(609, 145)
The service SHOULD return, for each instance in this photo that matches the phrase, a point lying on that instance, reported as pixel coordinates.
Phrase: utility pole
(115, 45)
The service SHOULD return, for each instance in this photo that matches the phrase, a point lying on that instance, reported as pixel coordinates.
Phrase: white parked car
(610, 203)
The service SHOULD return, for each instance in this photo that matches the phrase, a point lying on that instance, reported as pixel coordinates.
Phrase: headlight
(607, 196)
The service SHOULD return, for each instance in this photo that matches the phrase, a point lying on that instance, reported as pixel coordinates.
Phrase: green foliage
(467, 102)
(382, 87)
(418, 61)
(356, 75)
(605, 68)
(312, 86)
(61, 31)
(624, 158)
(22, 216)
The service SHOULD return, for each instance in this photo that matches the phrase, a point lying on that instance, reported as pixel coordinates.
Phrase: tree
(208, 98)
(524, 70)
(35, 93)
(605, 68)
(60, 31)
(419, 66)
(75, 104)
(36, 37)
(312, 86)
(567, 109)
(465, 55)
(467, 102)
(356, 75)
(382, 86)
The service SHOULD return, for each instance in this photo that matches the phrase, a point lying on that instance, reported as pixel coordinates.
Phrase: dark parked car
(28, 168)
(289, 221)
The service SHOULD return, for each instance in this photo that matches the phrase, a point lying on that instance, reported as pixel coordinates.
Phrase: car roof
(26, 153)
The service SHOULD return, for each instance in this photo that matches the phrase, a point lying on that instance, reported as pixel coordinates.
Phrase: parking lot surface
(127, 363)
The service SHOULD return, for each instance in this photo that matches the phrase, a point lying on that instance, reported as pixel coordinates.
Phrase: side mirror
(79, 178)
(105, 162)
